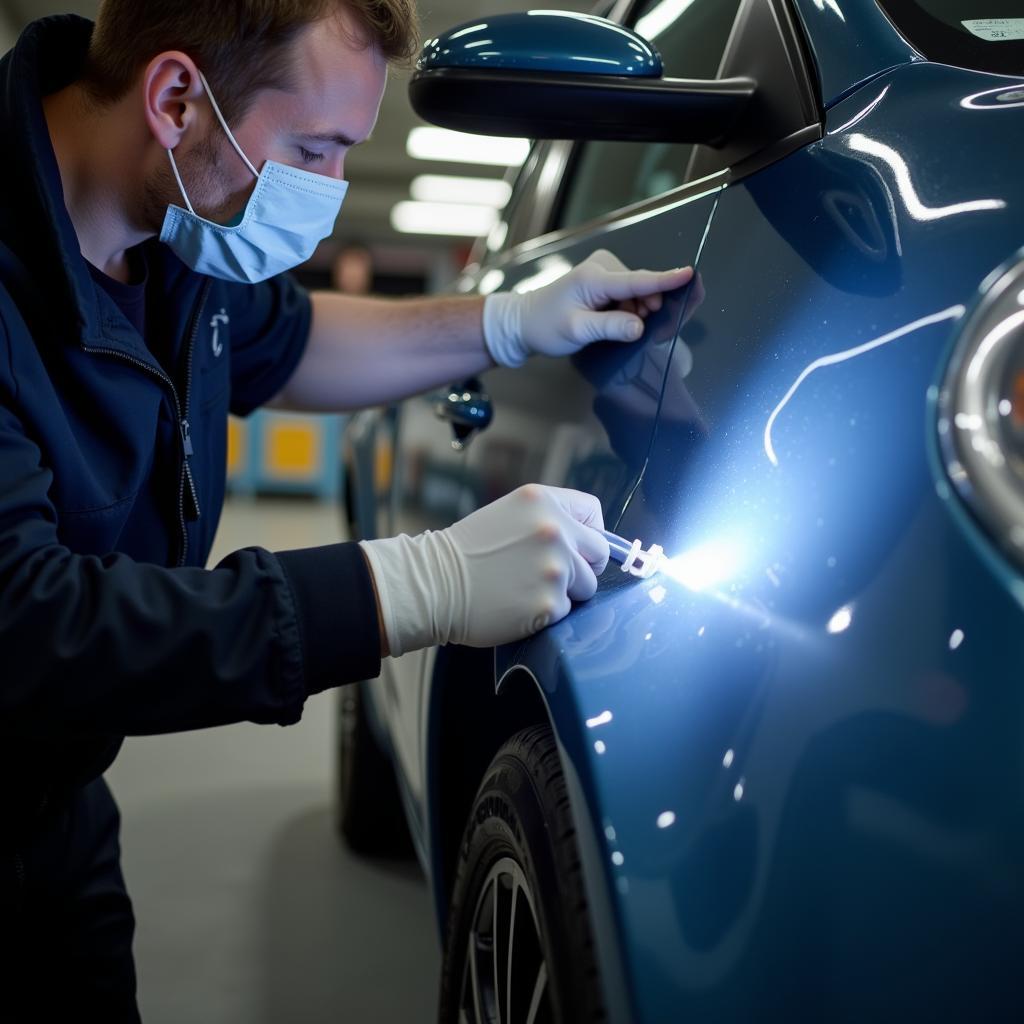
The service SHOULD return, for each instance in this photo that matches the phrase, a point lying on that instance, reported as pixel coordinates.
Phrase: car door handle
(467, 407)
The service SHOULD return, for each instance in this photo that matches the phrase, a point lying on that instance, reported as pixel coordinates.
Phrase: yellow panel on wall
(236, 446)
(292, 449)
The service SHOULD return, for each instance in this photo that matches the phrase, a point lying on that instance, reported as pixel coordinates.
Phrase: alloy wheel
(505, 975)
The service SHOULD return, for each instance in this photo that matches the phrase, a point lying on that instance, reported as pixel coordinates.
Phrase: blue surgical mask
(289, 212)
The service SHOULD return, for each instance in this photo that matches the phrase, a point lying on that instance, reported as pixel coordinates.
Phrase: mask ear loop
(181, 187)
(224, 125)
(227, 132)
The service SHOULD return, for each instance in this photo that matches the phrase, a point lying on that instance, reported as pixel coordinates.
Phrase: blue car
(782, 778)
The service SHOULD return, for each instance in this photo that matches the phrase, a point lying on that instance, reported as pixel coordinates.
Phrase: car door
(584, 422)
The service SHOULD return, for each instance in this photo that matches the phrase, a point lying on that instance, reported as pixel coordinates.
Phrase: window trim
(533, 248)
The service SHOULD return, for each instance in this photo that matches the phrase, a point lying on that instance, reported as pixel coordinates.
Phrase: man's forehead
(339, 83)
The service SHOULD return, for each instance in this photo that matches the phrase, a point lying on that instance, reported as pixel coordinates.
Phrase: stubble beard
(203, 176)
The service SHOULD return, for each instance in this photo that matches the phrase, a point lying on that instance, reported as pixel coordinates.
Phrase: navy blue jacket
(112, 466)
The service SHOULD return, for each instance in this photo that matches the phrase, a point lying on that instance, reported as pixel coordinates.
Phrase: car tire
(519, 887)
(368, 808)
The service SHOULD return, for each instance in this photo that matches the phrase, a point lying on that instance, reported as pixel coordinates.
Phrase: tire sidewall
(508, 820)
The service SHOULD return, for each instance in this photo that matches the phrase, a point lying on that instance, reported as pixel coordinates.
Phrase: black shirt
(130, 298)
(155, 498)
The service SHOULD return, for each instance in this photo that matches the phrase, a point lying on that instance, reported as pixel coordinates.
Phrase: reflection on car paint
(911, 200)
(830, 5)
(860, 115)
(835, 358)
(549, 270)
(999, 98)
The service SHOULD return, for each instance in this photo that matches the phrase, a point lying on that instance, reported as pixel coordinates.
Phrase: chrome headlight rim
(973, 408)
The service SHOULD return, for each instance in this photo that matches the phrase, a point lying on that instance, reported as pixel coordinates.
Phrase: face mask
(289, 212)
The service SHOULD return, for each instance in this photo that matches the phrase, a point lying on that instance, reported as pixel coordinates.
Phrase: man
(160, 174)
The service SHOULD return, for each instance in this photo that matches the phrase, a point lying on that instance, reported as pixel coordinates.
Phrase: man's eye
(308, 156)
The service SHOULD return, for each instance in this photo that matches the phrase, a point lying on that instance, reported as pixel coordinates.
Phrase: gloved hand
(504, 572)
(597, 300)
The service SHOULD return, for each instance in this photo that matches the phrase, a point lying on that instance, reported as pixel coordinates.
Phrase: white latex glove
(504, 572)
(598, 300)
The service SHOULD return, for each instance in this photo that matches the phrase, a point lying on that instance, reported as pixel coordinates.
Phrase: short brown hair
(240, 45)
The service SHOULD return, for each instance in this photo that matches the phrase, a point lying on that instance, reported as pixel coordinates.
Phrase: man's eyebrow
(335, 138)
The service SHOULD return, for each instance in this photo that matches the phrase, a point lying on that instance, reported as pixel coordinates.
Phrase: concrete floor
(249, 909)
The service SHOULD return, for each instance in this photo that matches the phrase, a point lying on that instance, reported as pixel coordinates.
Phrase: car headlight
(981, 403)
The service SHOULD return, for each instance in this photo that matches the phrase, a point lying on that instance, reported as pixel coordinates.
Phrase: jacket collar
(49, 55)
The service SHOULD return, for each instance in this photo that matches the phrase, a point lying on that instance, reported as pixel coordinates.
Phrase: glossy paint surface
(543, 41)
(851, 42)
(795, 758)
(794, 761)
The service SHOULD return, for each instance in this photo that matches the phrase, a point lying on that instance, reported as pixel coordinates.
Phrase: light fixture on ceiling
(465, 219)
(448, 188)
(429, 143)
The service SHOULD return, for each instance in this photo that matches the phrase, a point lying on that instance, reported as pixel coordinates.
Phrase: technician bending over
(157, 181)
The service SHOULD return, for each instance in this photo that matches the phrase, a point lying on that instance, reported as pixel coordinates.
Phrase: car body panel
(851, 42)
(807, 770)
(794, 763)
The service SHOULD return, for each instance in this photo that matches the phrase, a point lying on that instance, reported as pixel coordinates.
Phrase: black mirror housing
(558, 75)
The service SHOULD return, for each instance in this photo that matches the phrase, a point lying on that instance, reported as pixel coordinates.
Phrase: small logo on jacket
(215, 322)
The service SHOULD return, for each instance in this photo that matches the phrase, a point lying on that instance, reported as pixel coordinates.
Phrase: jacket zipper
(184, 428)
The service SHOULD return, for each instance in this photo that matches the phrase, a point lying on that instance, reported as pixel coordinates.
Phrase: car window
(987, 35)
(523, 184)
(691, 37)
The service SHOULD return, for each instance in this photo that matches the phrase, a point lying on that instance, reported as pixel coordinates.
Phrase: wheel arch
(467, 724)
(469, 718)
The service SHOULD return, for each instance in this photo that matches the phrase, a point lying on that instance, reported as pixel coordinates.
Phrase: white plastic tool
(633, 557)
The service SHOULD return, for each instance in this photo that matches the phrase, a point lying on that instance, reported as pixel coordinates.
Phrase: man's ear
(171, 91)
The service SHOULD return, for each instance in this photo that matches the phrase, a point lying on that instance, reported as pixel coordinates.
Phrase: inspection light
(429, 143)
(468, 220)
(449, 188)
(705, 566)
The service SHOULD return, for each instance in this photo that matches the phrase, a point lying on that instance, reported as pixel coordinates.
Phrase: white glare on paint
(840, 622)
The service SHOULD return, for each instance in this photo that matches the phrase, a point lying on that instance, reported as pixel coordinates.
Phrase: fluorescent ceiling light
(447, 188)
(656, 20)
(442, 218)
(428, 143)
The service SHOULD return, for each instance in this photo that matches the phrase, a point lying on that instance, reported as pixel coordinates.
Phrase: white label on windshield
(996, 30)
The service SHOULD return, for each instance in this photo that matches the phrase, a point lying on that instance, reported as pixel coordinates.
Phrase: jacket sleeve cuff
(337, 614)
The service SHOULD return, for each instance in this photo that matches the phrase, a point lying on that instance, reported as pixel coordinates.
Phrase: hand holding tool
(504, 572)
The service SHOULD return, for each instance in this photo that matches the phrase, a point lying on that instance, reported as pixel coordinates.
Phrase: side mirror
(467, 407)
(559, 75)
